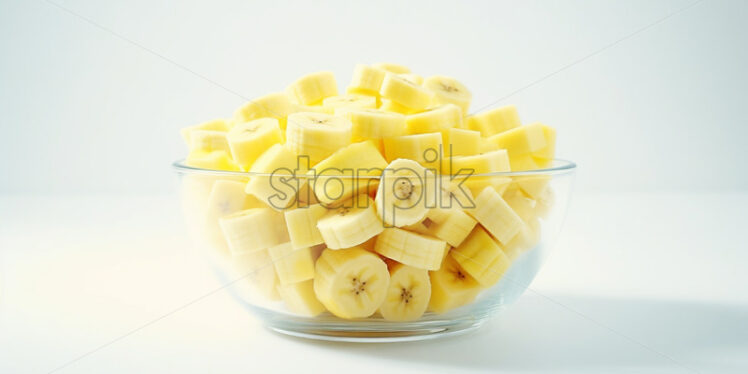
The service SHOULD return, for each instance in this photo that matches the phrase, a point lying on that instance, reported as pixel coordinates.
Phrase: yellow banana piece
(351, 283)
(275, 105)
(412, 78)
(274, 179)
(495, 215)
(366, 79)
(435, 119)
(408, 294)
(461, 142)
(211, 160)
(481, 257)
(341, 102)
(533, 186)
(545, 155)
(451, 225)
(405, 93)
(426, 149)
(521, 141)
(523, 163)
(302, 225)
(474, 166)
(544, 202)
(392, 68)
(526, 239)
(448, 90)
(403, 197)
(347, 172)
(410, 248)
(317, 135)
(312, 88)
(292, 265)
(225, 197)
(253, 230)
(374, 124)
(351, 224)
(521, 204)
(208, 140)
(300, 298)
(250, 139)
(451, 287)
(494, 121)
(214, 125)
(393, 107)
(257, 268)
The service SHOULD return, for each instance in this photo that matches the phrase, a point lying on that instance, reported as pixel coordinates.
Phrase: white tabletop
(637, 283)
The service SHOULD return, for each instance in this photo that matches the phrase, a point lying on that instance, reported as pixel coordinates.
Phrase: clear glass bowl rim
(560, 166)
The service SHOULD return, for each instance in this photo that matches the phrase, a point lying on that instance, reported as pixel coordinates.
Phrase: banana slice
(525, 240)
(489, 162)
(546, 154)
(392, 68)
(449, 91)
(494, 121)
(225, 197)
(348, 172)
(208, 140)
(407, 295)
(314, 109)
(481, 257)
(403, 197)
(253, 230)
(300, 298)
(351, 283)
(341, 102)
(257, 268)
(451, 225)
(486, 146)
(523, 162)
(214, 125)
(436, 119)
(533, 186)
(411, 248)
(274, 181)
(521, 141)
(544, 202)
(451, 287)
(302, 225)
(317, 135)
(368, 124)
(521, 204)
(405, 93)
(312, 88)
(412, 78)
(393, 107)
(426, 149)
(366, 79)
(251, 139)
(496, 216)
(351, 224)
(275, 105)
(292, 265)
(211, 160)
(473, 166)
(461, 142)
(306, 196)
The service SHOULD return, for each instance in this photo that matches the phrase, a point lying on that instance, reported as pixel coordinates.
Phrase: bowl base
(376, 332)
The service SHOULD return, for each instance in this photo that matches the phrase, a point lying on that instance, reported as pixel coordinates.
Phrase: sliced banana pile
(381, 201)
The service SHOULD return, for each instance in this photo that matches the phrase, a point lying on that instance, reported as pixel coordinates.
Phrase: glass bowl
(538, 197)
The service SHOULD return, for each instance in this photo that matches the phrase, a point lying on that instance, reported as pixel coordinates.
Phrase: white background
(84, 111)
(648, 274)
